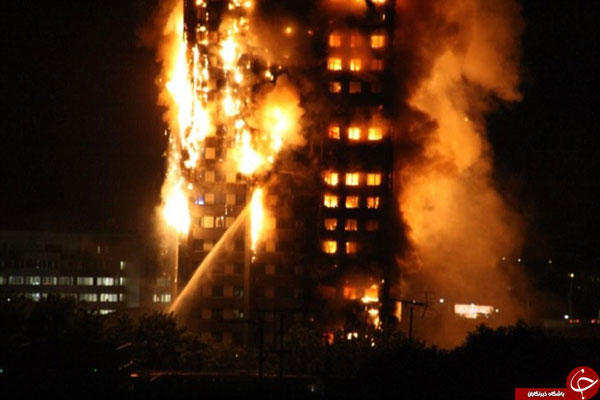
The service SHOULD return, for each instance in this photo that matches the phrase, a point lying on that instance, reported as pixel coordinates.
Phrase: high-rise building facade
(323, 243)
(356, 215)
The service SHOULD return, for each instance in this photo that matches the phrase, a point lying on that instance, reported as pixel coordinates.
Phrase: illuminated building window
(16, 280)
(377, 41)
(375, 133)
(351, 247)
(238, 291)
(372, 202)
(2, 280)
(85, 281)
(237, 314)
(109, 297)
(333, 132)
(219, 222)
(209, 176)
(350, 293)
(33, 280)
(209, 198)
(48, 280)
(207, 245)
(352, 178)
(230, 177)
(355, 64)
(165, 298)
(374, 179)
(209, 153)
(335, 87)
(65, 280)
(230, 199)
(330, 201)
(105, 281)
(335, 40)
(352, 201)
(229, 221)
(91, 297)
(378, 1)
(208, 222)
(351, 225)
(330, 224)
(354, 41)
(334, 64)
(355, 87)
(376, 64)
(330, 246)
(354, 133)
(331, 178)
(372, 225)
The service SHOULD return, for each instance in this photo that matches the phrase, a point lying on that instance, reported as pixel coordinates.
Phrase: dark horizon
(84, 136)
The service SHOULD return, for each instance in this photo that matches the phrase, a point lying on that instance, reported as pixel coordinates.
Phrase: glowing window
(230, 199)
(330, 201)
(330, 224)
(109, 297)
(372, 202)
(377, 41)
(105, 281)
(334, 64)
(355, 64)
(351, 247)
(331, 178)
(350, 293)
(334, 132)
(210, 153)
(354, 133)
(378, 1)
(335, 87)
(374, 179)
(208, 222)
(376, 64)
(91, 297)
(209, 198)
(372, 225)
(351, 225)
(375, 133)
(209, 176)
(335, 40)
(354, 87)
(352, 201)
(352, 178)
(330, 246)
(85, 281)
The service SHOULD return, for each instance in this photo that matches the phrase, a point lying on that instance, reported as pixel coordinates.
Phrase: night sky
(83, 138)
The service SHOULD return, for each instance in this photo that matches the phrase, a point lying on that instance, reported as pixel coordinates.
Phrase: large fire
(257, 127)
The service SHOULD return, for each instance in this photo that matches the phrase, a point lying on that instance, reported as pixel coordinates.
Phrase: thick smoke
(455, 60)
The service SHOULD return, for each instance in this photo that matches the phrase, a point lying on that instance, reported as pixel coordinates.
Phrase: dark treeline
(57, 348)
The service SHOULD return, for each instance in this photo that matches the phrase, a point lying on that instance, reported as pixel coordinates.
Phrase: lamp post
(570, 295)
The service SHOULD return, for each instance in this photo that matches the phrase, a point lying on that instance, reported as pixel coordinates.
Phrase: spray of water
(192, 284)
